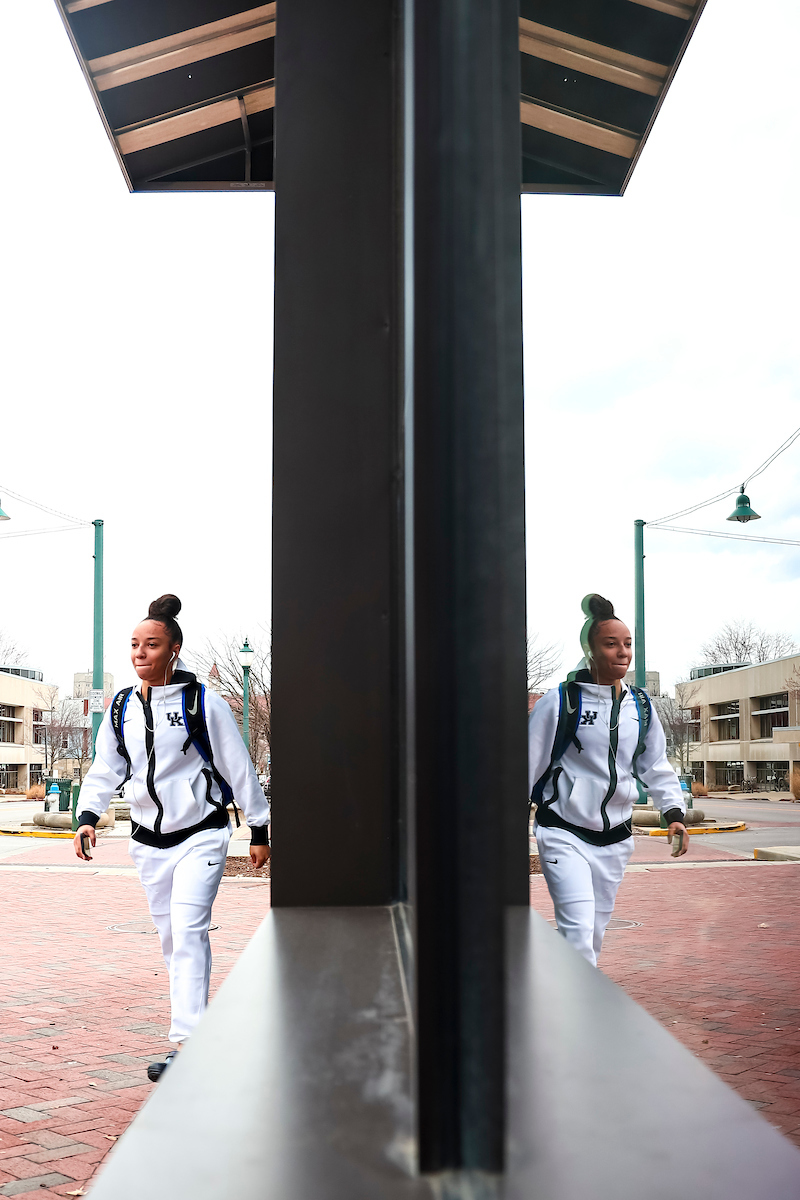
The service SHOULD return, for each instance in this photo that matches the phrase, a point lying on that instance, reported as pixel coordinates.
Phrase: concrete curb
(777, 853)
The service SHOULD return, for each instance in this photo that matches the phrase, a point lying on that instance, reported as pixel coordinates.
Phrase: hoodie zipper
(613, 741)
(149, 745)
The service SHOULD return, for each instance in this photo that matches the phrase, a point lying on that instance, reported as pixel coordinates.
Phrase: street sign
(96, 700)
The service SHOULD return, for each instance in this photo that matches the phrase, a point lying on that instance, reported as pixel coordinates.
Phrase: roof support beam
(182, 49)
(685, 9)
(166, 129)
(600, 137)
(602, 62)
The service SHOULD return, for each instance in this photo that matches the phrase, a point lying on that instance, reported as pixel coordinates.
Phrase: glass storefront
(8, 775)
(773, 776)
(729, 772)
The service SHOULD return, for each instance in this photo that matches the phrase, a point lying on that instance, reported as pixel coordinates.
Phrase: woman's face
(611, 651)
(151, 653)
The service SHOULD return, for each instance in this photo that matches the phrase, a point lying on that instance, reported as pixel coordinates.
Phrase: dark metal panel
(316, 1103)
(156, 161)
(109, 28)
(190, 85)
(583, 161)
(336, 584)
(469, 565)
(620, 24)
(584, 95)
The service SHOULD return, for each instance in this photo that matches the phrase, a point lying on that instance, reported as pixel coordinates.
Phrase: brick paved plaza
(84, 1007)
(716, 959)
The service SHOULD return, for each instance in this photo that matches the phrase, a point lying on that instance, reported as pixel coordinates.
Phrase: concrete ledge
(778, 853)
(297, 1086)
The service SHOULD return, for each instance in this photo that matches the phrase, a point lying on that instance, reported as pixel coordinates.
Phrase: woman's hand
(84, 829)
(674, 829)
(259, 855)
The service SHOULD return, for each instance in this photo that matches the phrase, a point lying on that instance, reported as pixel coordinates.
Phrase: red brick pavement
(717, 961)
(83, 1010)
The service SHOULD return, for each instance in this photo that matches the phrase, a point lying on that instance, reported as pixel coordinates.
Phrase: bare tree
(742, 641)
(218, 664)
(78, 733)
(53, 734)
(11, 655)
(676, 718)
(544, 659)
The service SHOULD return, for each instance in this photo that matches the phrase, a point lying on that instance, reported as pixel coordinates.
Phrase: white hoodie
(595, 788)
(170, 790)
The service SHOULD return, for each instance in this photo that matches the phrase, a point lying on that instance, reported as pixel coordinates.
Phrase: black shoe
(156, 1070)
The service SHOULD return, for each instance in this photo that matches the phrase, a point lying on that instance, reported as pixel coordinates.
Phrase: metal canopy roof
(186, 88)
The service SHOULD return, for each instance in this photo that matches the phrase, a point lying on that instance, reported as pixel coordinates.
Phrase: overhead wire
(684, 512)
(53, 512)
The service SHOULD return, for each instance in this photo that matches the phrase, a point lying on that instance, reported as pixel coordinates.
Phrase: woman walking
(589, 741)
(176, 748)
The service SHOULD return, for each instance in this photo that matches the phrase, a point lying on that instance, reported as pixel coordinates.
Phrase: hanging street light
(4, 516)
(246, 656)
(743, 512)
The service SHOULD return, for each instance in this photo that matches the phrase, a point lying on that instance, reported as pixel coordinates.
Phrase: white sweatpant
(181, 885)
(583, 882)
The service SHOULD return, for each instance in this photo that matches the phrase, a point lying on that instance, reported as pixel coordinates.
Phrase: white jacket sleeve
(655, 772)
(104, 775)
(234, 763)
(542, 724)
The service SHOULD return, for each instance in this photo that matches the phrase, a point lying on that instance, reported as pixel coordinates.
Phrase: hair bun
(165, 606)
(600, 608)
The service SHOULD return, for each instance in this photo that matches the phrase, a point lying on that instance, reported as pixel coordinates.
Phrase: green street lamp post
(97, 657)
(246, 656)
(638, 628)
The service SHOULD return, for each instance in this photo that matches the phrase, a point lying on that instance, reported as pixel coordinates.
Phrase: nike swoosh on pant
(551, 860)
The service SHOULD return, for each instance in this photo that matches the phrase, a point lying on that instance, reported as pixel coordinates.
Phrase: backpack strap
(569, 713)
(644, 710)
(118, 706)
(193, 700)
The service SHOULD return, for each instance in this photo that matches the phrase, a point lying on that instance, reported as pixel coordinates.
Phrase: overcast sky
(661, 366)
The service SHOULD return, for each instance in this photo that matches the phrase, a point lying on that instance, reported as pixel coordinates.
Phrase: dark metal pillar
(469, 565)
(336, 607)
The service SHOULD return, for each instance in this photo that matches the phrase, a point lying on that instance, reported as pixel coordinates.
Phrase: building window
(7, 710)
(39, 735)
(6, 731)
(36, 773)
(727, 729)
(37, 715)
(729, 773)
(773, 720)
(8, 775)
(698, 771)
(730, 709)
(773, 776)
(76, 772)
(779, 700)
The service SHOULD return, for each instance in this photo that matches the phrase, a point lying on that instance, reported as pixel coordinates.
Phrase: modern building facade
(22, 755)
(747, 723)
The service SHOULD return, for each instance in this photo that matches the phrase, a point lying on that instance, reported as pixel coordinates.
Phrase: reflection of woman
(179, 818)
(585, 797)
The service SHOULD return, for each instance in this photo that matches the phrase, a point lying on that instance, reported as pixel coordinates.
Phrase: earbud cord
(156, 724)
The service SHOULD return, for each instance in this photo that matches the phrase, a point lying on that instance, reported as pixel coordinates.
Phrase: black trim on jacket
(217, 819)
(595, 837)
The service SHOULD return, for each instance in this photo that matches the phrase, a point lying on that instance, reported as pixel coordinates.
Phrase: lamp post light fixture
(4, 516)
(743, 512)
(246, 656)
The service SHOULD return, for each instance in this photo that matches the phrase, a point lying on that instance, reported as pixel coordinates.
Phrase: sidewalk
(716, 959)
(84, 1008)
